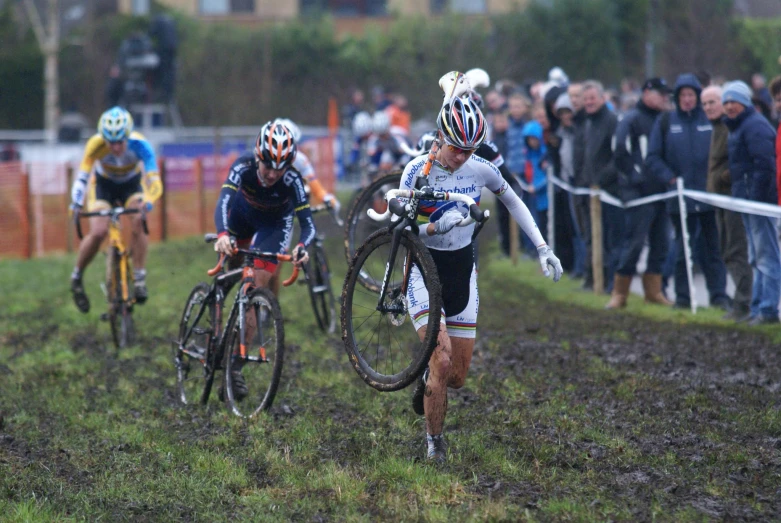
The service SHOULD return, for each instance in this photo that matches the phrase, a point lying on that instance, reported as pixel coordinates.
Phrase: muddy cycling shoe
(437, 450)
(141, 293)
(79, 296)
(419, 392)
(240, 390)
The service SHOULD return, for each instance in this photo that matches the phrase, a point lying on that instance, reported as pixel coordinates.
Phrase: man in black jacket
(644, 221)
(594, 165)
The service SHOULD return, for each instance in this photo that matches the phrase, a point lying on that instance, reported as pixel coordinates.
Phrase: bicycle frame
(217, 292)
(409, 212)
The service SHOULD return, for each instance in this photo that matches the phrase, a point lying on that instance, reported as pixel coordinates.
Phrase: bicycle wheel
(318, 278)
(120, 312)
(383, 345)
(358, 225)
(261, 366)
(191, 350)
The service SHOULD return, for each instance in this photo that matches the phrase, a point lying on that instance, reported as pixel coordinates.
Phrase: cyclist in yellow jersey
(125, 175)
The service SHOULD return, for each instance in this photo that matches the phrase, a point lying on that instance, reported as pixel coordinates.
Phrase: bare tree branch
(35, 20)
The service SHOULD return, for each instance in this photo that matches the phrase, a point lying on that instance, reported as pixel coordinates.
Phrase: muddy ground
(650, 417)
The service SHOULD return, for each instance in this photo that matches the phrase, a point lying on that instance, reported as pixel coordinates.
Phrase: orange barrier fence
(34, 200)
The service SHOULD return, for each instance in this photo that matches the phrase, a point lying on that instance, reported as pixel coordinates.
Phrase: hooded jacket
(752, 157)
(534, 172)
(631, 148)
(682, 148)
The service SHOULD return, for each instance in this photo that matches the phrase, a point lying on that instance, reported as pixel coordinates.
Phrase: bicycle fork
(248, 282)
(395, 242)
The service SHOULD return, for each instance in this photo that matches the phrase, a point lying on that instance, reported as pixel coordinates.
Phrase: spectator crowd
(717, 136)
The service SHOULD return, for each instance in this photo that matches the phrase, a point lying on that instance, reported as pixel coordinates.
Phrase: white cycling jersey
(303, 165)
(469, 179)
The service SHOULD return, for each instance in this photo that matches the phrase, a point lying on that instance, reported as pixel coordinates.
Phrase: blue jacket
(752, 157)
(682, 148)
(534, 158)
(514, 157)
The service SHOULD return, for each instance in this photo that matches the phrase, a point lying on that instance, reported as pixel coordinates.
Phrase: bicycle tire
(396, 337)
(261, 376)
(358, 226)
(191, 350)
(318, 278)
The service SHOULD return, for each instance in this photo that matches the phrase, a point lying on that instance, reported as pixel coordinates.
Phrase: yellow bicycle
(118, 288)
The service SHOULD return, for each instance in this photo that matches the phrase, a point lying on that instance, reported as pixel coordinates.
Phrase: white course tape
(716, 200)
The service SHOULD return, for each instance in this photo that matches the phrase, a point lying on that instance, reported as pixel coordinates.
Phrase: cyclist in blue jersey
(256, 206)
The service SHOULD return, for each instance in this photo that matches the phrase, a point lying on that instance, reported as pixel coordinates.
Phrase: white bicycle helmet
(292, 127)
(462, 123)
(425, 140)
(381, 122)
(275, 147)
(362, 124)
(115, 125)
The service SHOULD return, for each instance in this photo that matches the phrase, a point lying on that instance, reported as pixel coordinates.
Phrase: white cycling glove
(547, 258)
(300, 255)
(224, 245)
(447, 221)
(78, 190)
(332, 203)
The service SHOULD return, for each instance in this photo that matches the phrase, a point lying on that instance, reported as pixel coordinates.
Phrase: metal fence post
(551, 232)
(687, 251)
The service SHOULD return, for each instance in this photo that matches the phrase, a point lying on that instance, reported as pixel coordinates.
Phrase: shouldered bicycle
(382, 344)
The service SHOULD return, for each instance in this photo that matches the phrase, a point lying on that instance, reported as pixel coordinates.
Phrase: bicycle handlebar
(113, 213)
(252, 253)
(397, 208)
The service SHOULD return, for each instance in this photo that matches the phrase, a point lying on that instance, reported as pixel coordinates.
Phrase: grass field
(569, 413)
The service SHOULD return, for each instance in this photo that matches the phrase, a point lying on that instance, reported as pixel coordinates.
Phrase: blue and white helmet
(115, 125)
(462, 123)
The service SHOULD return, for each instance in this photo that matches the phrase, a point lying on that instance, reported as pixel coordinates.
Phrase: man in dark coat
(594, 165)
(679, 147)
(651, 220)
(752, 165)
(732, 233)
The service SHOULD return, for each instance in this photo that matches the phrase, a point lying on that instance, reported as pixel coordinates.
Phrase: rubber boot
(620, 292)
(652, 286)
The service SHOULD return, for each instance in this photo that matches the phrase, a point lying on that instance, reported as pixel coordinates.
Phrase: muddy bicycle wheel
(252, 375)
(120, 311)
(191, 350)
(380, 339)
(359, 226)
(318, 279)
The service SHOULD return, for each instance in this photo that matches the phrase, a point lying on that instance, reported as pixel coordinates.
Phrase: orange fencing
(34, 200)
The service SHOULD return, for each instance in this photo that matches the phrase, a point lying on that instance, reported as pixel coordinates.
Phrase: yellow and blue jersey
(139, 156)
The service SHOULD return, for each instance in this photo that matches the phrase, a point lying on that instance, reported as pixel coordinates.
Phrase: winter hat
(558, 76)
(563, 102)
(737, 91)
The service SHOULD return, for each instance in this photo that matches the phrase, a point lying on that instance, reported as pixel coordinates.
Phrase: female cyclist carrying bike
(462, 129)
